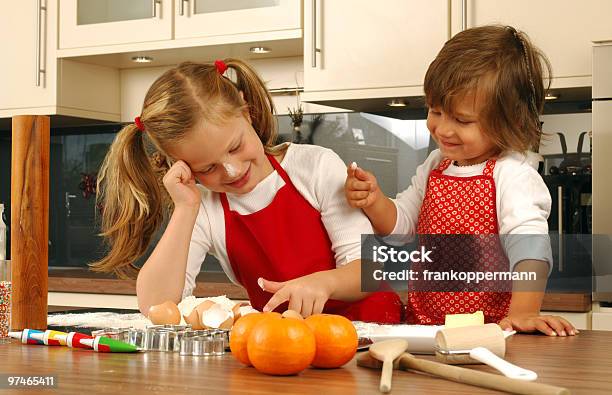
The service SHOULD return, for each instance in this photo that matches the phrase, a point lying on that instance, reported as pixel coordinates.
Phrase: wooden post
(30, 221)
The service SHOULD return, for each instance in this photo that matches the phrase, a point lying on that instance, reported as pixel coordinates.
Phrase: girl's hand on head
(550, 325)
(307, 294)
(181, 186)
(360, 188)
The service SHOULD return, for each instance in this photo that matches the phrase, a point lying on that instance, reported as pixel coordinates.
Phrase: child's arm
(389, 216)
(524, 313)
(162, 277)
(309, 293)
(362, 191)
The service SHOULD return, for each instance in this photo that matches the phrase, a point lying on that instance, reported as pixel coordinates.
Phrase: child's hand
(306, 294)
(361, 188)
(181, 186)
(550, 325)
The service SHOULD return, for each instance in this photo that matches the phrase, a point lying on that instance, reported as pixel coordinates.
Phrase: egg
(165, 313)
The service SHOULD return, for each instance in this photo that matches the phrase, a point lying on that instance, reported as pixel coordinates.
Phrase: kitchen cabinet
(602, 319)
(579, 320)
(87, 23)
(205, 18)
(27, 70)
(34, 82)
(358, 48)
(167, 24)
(562, 29)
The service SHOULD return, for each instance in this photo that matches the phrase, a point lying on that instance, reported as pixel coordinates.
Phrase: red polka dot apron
(287, 240)
(460, 206)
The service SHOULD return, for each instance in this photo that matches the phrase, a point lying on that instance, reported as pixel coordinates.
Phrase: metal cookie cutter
(164, 337)
(204, 342)
(120, 334)
(137, 337)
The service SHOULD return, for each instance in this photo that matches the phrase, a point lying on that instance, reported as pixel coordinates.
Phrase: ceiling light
(551, 96)
(397, 103)
(260, 50)
(142, 59)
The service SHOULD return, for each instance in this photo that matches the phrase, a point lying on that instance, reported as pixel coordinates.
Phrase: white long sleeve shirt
(522, 202)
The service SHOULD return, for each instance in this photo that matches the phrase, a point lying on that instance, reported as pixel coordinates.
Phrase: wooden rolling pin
(464, 375)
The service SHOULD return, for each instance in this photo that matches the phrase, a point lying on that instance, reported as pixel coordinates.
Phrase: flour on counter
(100, 320)
(134, 320)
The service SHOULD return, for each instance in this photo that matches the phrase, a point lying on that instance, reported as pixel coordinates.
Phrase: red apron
(455, 206)
(287, 240)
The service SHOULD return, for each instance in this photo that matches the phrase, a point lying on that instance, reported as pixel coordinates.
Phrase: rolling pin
(463, 375)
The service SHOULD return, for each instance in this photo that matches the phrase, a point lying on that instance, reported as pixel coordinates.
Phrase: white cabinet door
(27, 43)
(204, 18)
(88, 23)
(562, 29)
(366, 45)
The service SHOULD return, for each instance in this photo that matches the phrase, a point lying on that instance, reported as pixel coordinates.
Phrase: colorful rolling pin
(105, 344)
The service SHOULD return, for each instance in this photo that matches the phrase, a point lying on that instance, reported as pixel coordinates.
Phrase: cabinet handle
(463, 14)
(39, 9)
(154, 6)
(378, 160)
(69, 196)
(560, 221)
(314, 35)
(182, 8)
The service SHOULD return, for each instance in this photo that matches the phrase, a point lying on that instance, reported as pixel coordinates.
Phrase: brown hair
(503, 68)
(133, 200)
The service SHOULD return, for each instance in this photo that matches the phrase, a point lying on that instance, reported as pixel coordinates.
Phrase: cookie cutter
(137, 337)
(120, 334)
(207, 342)
(164, 337)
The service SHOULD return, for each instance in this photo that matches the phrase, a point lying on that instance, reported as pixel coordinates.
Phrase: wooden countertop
(581, 363)
(217, 283)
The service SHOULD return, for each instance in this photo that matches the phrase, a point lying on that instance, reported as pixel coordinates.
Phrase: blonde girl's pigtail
(261, 106)
(131, 203)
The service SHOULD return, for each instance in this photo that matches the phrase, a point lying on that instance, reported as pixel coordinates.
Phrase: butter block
(459, 320)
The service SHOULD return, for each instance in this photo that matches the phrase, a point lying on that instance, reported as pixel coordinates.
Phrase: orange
(336, 339)
(240, 332)
(281, 346)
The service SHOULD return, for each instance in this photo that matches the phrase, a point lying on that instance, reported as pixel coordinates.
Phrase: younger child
(485, 92)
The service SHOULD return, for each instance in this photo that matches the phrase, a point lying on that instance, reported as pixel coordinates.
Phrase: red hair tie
(221, 66)
(139, 124)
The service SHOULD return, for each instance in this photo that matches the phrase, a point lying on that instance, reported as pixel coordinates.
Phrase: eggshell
(217, 317)
(292, 314)
(205, 305)
(193, 319)
(165, 313)
(237, 309)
